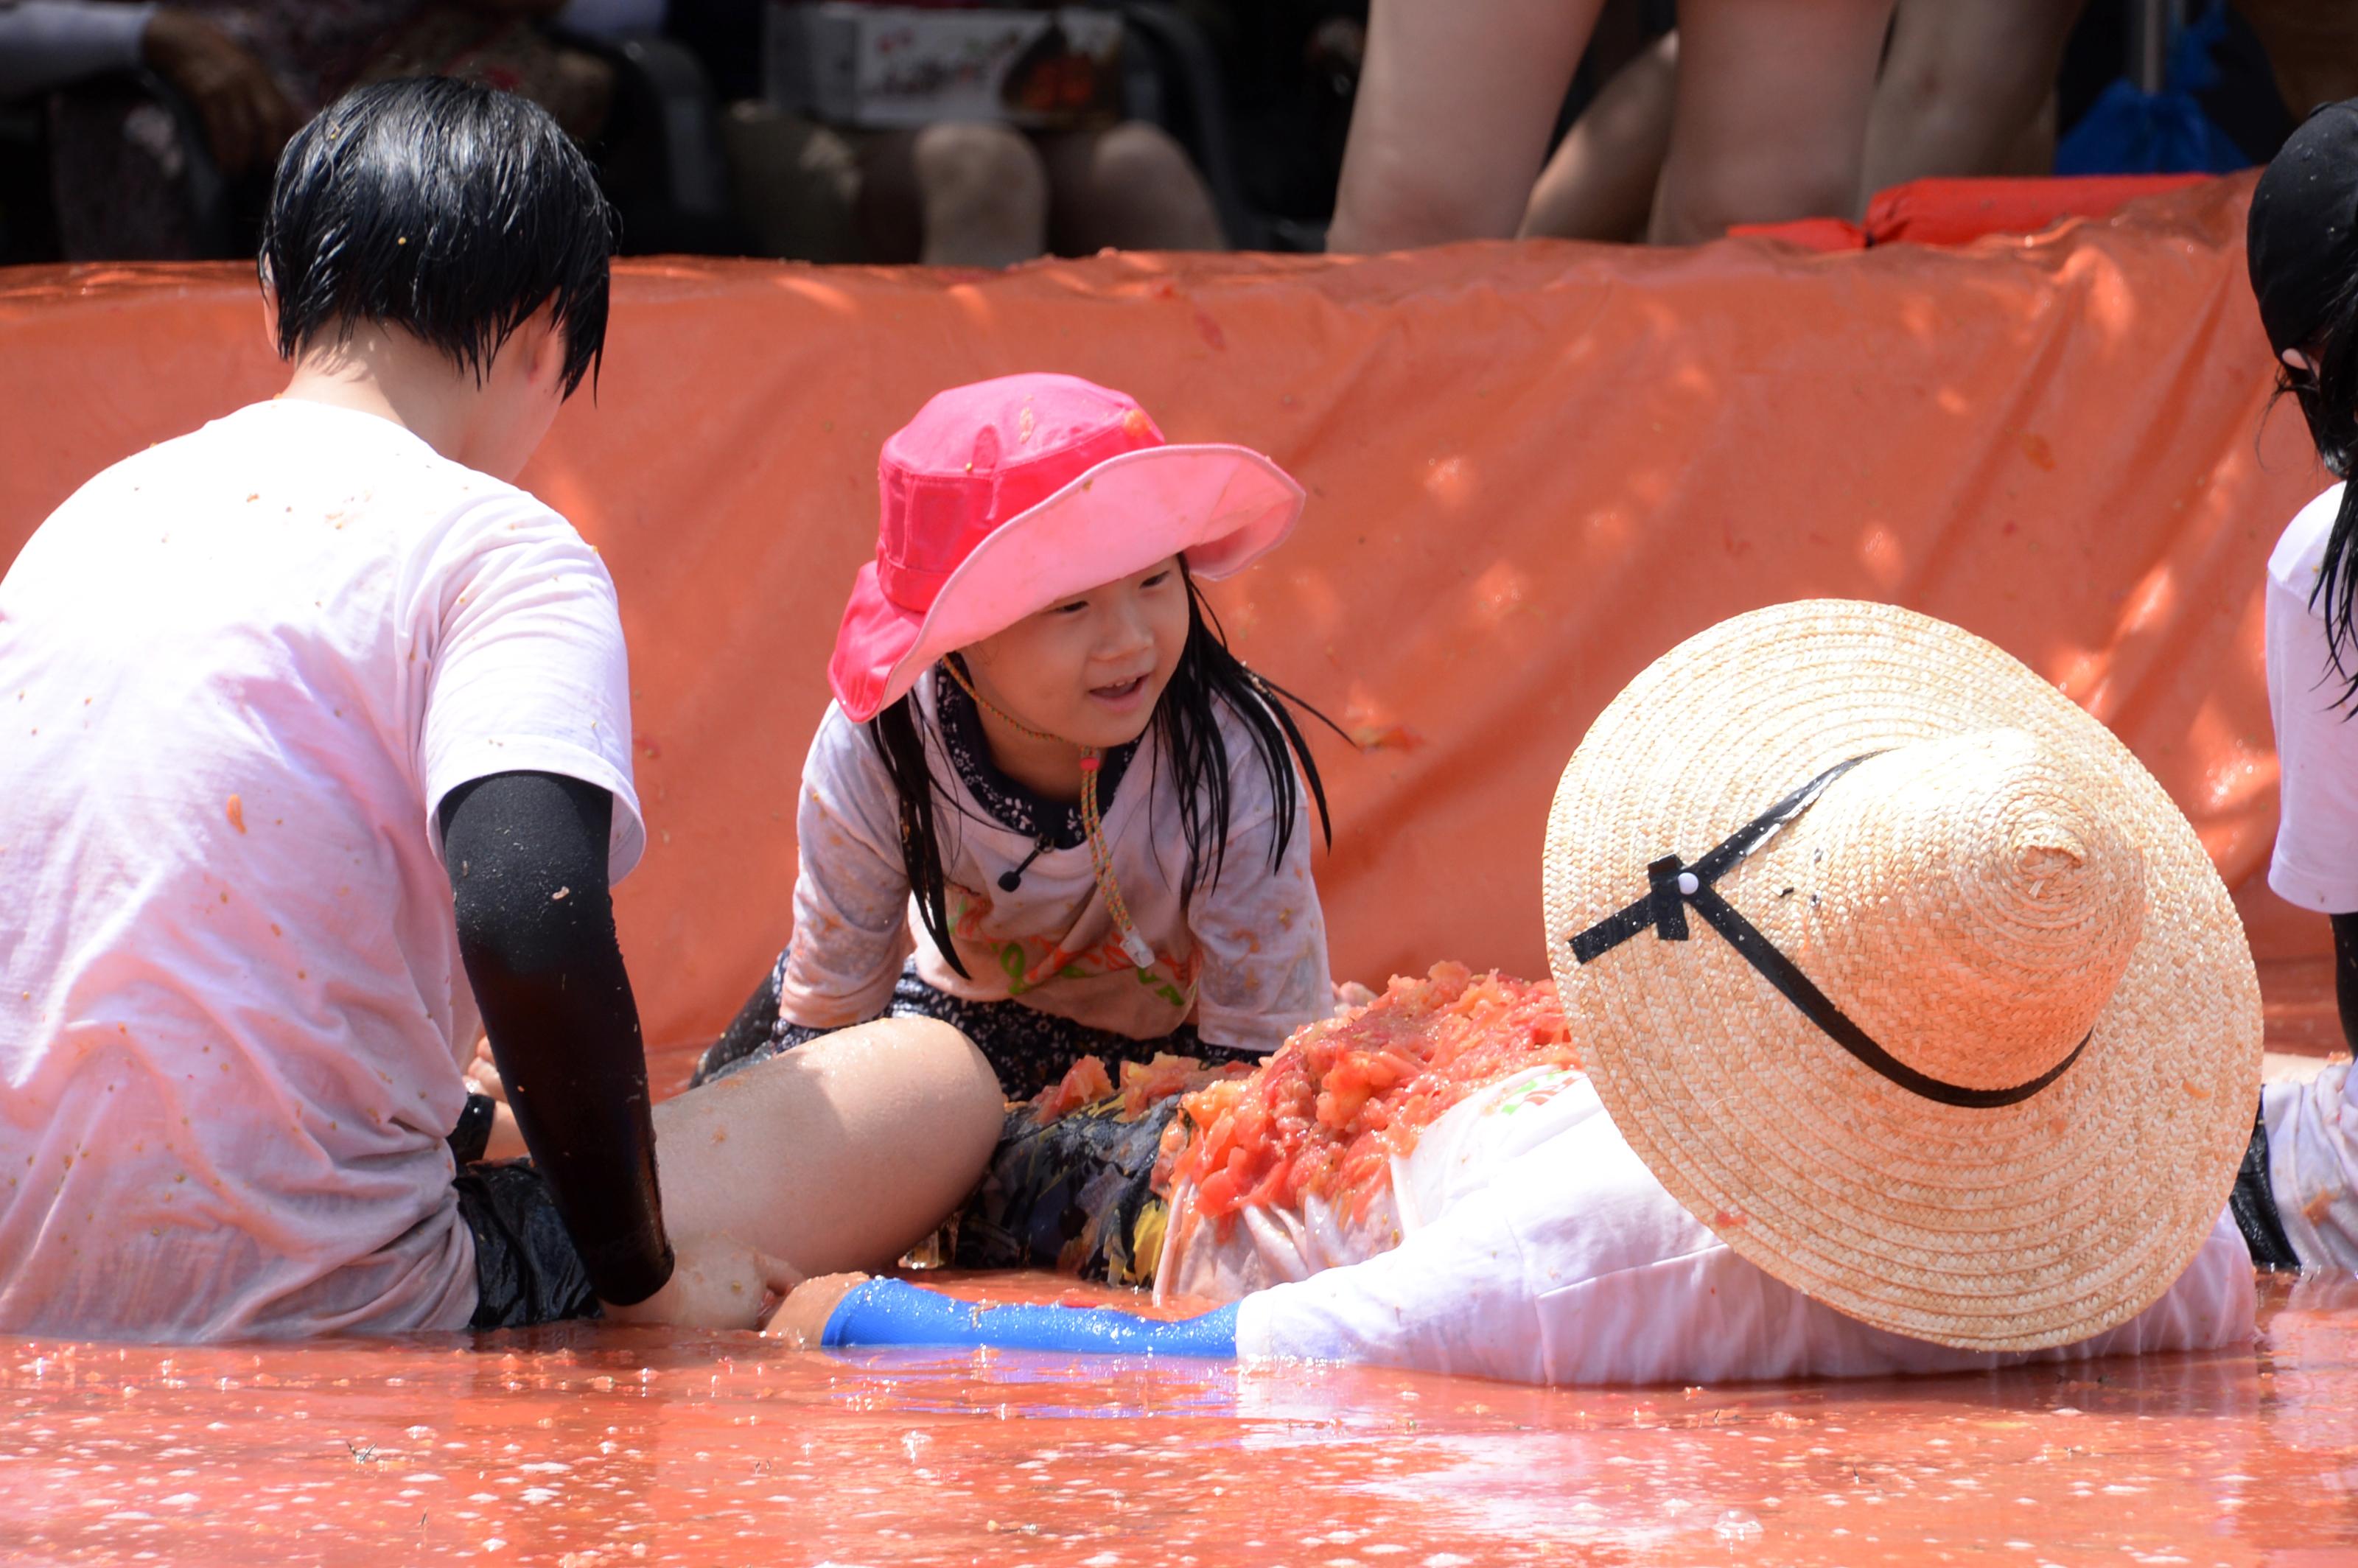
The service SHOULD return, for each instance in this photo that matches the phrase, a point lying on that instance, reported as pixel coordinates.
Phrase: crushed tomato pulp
(1325, 1115)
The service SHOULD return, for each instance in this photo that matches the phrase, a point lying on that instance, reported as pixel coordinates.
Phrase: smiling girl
(1048, 806)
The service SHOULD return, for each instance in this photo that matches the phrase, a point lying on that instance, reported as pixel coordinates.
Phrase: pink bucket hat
(1002, 498)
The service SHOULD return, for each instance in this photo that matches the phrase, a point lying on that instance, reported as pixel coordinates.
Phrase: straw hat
(1962, 1038)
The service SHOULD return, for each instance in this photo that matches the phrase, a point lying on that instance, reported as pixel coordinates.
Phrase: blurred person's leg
(1771, 122)
(795, 183)
(1600, 183)
(1962, 87)
(2032, 155)
(962, 193)
(2312, 46)
(1455, 105)
(1131, 188)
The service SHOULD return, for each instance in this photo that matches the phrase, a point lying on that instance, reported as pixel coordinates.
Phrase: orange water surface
(591, 1445)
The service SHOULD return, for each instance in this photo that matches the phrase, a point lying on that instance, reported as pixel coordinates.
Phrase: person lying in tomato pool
(1939, 1056)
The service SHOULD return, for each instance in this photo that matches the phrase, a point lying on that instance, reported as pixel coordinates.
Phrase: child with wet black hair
(320, 755)
(2298, 1196)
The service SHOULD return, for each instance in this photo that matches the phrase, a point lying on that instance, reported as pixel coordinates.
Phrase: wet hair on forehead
(452, 211)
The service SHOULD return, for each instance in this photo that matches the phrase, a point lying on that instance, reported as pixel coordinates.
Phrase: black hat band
(1676, 886)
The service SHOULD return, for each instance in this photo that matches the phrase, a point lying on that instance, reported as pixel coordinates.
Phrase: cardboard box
(887, 66)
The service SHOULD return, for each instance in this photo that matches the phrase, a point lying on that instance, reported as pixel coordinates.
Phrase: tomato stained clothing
(2312, 1137)
(238, 673)
(1535, 1247)
(1245, 957)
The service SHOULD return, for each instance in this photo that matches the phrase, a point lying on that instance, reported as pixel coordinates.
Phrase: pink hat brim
(1222, 507)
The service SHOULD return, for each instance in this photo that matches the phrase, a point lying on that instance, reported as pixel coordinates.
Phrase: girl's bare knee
(911, 1077)
(1407, 201)
(838, 1154)
(1137, 155)
(978, 157)
(958, 1075)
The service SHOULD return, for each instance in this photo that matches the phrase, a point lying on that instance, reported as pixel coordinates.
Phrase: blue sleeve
(894, 1311)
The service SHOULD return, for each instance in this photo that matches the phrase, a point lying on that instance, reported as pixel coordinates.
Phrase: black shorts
(2253, 1204)
(526, 1268)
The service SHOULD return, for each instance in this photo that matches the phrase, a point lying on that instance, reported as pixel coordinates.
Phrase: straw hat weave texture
(1998, 884)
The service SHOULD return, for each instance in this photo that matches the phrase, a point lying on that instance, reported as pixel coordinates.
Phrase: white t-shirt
(1538, 1248)
(238, 674)
(1245, 957)
(2313, 1126)
(2315, 861)
(2313, 1165)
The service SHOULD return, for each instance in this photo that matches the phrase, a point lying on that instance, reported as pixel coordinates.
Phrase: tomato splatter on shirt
(1326, 1113)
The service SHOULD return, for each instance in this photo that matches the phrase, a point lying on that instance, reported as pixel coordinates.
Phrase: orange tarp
(1532, 468)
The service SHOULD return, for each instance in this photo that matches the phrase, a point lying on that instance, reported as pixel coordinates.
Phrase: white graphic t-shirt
(238, 674)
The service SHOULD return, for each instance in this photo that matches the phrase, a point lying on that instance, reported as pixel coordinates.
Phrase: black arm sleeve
(2345, 975)
(526, 854)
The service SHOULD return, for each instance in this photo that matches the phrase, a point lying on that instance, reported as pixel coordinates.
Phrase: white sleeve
(1570, 1265)
(851, 889)
(1466, 1291)
(50, 43)
(1259, 931)
(2313, 1165)
(2315, 865)
(528, 669)
(1575, 1266)
(1452, 1297)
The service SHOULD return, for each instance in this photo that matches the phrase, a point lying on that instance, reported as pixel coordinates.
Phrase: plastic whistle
(1134, 948)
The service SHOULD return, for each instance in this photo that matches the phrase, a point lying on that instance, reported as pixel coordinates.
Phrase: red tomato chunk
(1327, 1112)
